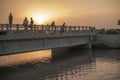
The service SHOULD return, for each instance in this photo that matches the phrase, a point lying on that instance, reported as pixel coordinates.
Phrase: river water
(97, 64)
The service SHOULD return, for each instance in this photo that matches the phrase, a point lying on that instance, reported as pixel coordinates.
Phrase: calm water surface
(98, 64)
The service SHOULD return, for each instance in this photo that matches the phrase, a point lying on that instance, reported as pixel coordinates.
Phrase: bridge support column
(89, 45)
(1, 48)
(60, 52)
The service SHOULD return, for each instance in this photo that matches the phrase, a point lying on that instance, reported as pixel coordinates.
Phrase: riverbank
(106, 41)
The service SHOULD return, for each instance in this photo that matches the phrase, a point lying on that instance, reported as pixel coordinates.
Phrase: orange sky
(99, 13)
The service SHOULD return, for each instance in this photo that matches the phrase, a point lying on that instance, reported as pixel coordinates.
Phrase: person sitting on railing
(25, 23)
(31, 23)
(53, 27)
(53, 23)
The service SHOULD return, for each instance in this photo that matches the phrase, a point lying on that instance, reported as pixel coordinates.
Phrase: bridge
(16, 38)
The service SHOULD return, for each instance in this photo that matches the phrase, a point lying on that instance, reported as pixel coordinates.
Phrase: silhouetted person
(63, 24)
(53, 23)
(63, 28)
(25, 23)
(53, 27)
(10, 19)
(31, 23)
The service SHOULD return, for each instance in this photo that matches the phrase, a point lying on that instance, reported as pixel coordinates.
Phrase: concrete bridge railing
(16, 28)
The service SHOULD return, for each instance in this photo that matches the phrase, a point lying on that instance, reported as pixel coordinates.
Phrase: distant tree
(101, 31)
(113, 31)
(109, 31)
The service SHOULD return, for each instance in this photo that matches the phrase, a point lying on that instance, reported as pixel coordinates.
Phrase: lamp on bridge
(118, 22)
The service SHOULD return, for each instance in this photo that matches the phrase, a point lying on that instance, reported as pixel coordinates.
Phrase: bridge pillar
(58, 52)
(1, 48)
(89, 45)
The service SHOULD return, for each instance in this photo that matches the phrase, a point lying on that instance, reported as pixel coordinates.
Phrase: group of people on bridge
(27, 25)
(25, 22)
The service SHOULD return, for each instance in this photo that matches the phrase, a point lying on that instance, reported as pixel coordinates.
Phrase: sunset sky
(98, 13)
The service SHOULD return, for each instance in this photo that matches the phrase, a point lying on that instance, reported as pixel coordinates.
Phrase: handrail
(43, 28)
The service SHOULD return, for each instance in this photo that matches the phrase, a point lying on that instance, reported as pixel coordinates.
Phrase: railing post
(10, 27)
(79, 28)
(74, 28)
(2, 27)
(70, 28)
(86, 28)
(94, 29)
(38, 28)
(42, 29)
(54, 29)
(35, 28)
(64, 28)
(17, 26)
(89, 29)
(57, 28)
(82, 28)
(67, 28)
(7, 27)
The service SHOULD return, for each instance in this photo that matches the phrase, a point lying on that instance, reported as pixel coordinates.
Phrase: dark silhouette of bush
(109, 31)
(101, 31)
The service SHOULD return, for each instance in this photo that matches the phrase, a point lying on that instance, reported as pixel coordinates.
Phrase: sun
(40, 18)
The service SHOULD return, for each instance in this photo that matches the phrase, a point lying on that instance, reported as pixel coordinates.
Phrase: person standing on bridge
(62, 28)
(10, 18)
(25, 23)
(31, 23)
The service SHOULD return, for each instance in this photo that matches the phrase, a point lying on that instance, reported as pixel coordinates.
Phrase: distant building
(118, 22)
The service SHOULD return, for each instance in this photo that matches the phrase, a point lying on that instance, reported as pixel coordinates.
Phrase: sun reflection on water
(24, 57)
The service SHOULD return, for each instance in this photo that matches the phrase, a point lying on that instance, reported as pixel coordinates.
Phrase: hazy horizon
(98, 13)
